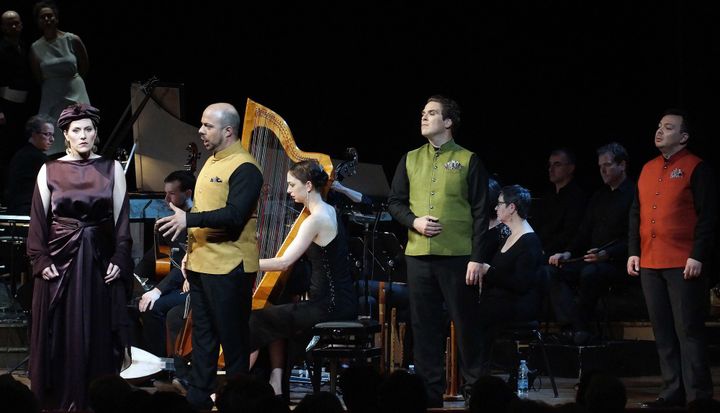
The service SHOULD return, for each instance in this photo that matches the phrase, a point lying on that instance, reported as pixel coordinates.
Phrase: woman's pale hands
(50, 272)
(112, 273)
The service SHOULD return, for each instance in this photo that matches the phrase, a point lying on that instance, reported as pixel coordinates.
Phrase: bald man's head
(219, 126)
(10, 24)
(227, 115)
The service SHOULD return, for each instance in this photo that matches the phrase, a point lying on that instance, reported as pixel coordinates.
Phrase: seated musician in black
(509, 284)
(172, 290)
(600, 246)
(26, 163)
(557, 214)
(331, 295)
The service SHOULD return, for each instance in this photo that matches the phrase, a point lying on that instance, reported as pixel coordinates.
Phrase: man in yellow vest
(222, 254)
(439, 192)
(671, 228)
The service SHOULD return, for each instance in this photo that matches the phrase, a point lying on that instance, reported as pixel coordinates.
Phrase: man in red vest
(671, 227)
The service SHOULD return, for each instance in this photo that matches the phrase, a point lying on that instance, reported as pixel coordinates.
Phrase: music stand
(371, 181)
(368, 251)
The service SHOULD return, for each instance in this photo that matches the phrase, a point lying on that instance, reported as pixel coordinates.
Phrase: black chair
(343, 340)
(524, 334)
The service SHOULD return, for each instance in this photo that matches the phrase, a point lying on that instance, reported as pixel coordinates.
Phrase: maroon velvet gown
(79, 323)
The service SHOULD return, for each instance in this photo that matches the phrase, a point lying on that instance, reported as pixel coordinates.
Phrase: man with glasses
(560, 210)
(599, 249)
(26, 163)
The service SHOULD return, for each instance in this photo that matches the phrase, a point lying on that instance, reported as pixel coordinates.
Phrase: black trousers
(592, 281)
(437, 289)
(154, 322)
(677, 309)
(221, 306)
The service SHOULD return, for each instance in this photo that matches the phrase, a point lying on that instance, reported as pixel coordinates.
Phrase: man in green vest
(439, 192)
(222, 255)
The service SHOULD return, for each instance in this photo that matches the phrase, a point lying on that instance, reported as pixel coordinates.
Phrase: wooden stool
(352, 340)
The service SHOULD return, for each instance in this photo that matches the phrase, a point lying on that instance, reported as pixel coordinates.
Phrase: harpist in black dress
(331, 294)
(331, 297)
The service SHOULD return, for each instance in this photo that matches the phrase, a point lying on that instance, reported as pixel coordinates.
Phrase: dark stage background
(529, 75)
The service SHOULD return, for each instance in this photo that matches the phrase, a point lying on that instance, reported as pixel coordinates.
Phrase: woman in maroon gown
(79, 243)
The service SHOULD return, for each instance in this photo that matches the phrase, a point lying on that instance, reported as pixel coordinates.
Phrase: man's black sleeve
(245, 184)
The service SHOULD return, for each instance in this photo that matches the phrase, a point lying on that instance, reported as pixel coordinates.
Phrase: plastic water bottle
(522, 381)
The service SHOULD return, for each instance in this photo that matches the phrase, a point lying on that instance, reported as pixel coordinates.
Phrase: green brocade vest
(439, 187)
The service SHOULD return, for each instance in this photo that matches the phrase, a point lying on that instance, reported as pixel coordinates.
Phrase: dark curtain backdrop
(529, 75)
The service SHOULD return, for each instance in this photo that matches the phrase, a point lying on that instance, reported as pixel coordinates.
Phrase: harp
(268, 138)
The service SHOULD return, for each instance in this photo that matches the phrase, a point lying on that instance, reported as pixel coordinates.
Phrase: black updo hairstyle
(310, 170)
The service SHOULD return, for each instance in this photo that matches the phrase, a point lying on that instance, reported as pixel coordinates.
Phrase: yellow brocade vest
(439, 187)
(217, 250)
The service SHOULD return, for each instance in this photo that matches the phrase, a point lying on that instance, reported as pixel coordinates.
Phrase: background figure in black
(172, 290)
(558, 213)
(601, 241)
(15, 85)
(26, 163)
(509, 290)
